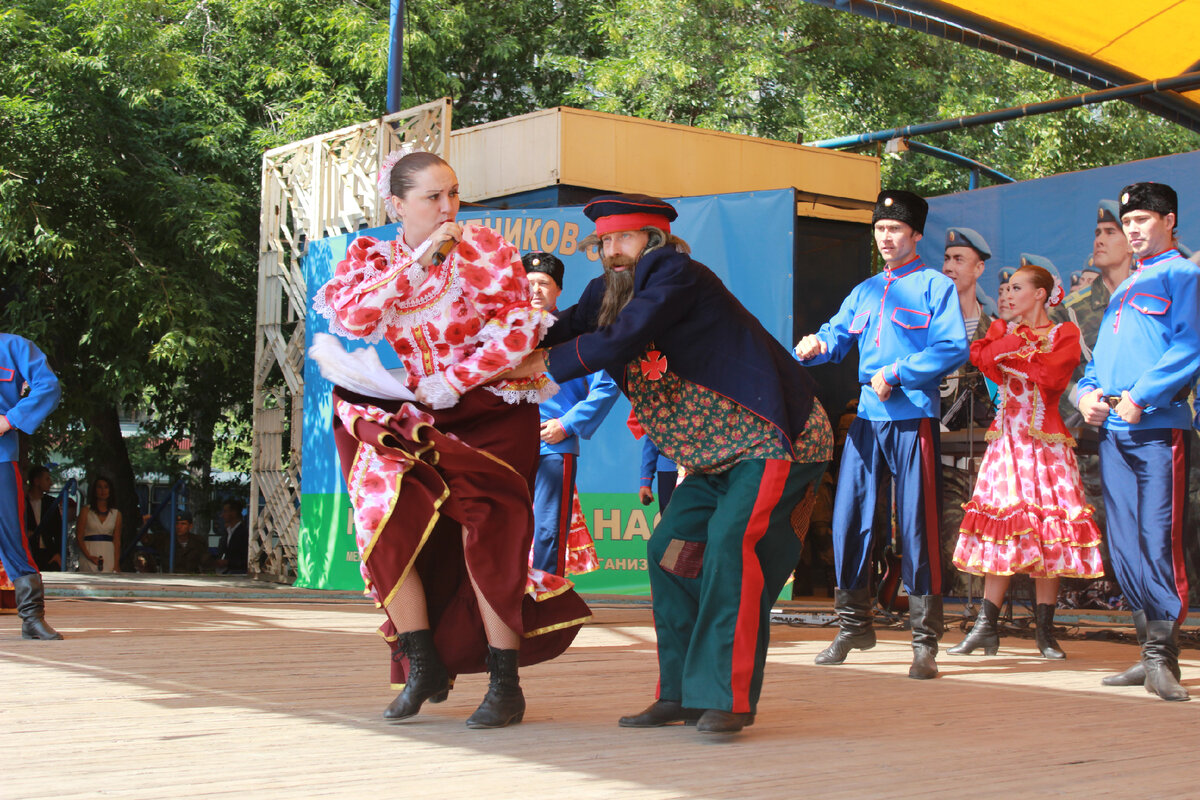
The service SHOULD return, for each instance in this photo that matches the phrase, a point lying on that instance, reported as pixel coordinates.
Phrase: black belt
(1113, 399)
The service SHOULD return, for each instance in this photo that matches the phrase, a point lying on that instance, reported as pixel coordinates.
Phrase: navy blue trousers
(1144, 473)
(910, 450)
(553, 495)
(14, 547)
(666, 486)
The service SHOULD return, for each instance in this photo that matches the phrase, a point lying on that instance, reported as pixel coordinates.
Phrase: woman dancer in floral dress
(441, 487)
(1027, 514)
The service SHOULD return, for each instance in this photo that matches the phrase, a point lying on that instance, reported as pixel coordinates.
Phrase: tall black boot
(31, 607)
(504, 703)
(1043, 616)
(925, 614)
(1160, 657)
(1135, 675)
(984, 633)
(855, 630)
(427, 676)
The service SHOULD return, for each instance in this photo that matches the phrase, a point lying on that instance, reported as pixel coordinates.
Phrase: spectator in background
(191, 549)
(43, 520)
(98, 531)
(237, 538)
(574, 413)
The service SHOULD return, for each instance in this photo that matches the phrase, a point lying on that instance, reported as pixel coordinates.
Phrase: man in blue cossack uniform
(573, 413)
(21, 364)
(909, 330)
(1145, 362)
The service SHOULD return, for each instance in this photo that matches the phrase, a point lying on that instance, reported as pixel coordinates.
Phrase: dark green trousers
(718, 560)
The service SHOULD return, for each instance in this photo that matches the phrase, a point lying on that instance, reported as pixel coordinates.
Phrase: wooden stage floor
(259, 698)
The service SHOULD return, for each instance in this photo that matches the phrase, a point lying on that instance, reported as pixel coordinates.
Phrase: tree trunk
(200, 469)
(109, 457)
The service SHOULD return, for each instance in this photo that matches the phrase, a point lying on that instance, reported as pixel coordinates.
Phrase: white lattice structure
(321, 186)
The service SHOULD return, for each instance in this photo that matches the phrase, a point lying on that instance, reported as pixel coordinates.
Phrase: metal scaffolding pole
(1189, 80)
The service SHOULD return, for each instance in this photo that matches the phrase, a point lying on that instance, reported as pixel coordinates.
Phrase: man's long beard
(618, 290)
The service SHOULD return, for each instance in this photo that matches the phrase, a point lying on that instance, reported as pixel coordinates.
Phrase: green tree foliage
(789, 70)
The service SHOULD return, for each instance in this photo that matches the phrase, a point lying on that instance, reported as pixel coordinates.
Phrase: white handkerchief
(359, 371)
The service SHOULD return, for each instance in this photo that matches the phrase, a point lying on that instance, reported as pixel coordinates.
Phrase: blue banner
(747, 239)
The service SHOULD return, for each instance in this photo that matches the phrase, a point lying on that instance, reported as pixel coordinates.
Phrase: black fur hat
(544, 262)
(902, 206)
(1147, 196)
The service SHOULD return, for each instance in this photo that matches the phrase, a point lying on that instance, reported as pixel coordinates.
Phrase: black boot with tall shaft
(983, 634)
(31, 607)
(427, 677)
(1160, 657)
(925, 614)
(855, 626)
(504, 703)
(1043, 615)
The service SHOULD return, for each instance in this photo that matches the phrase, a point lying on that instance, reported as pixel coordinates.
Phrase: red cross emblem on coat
(654, 365)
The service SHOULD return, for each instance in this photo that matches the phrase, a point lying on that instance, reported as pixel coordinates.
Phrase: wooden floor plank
(224, 699)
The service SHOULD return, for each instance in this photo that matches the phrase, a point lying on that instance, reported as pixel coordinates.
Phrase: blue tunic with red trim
(707, 337)
(1149, 342)
(21, 362)
(907, 322)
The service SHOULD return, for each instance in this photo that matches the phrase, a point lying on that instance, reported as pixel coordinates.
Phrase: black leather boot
(661, 712)
(31, 607)
(504, 703)
(714, 720)
(1135, 675)
(925, 614)
(427, 676)
(984, 633)
(1160, 657)
(855, 630)
(1043, 616)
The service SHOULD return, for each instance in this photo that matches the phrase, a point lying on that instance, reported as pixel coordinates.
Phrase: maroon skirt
(421, 477)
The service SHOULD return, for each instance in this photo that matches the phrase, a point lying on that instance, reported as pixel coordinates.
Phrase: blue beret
(1005, 274)
(1109, 211)
(1031, 260)
(966, 237)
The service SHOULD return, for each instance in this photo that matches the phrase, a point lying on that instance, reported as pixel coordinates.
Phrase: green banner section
(619, 523)
(328, 555)
(621, 526)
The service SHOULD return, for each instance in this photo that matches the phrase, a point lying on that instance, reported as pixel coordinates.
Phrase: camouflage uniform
(1085, 307)
(958, 483)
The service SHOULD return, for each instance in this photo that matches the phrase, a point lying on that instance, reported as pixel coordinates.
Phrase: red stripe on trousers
(21, 517)
(565, 507)
(933, 549)
(745, 632)
(1178, 498)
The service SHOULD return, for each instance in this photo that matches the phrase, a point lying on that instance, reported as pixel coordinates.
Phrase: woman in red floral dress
(1027, 514)
(440, 487)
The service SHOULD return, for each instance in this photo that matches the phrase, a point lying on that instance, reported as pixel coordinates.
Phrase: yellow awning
(1150, 39)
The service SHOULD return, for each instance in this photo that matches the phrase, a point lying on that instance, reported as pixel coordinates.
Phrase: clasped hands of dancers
(440, 486)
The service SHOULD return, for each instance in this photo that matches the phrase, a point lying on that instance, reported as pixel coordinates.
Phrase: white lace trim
(525, 395)
(436, 391)
(325, 310)
(496, 329)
